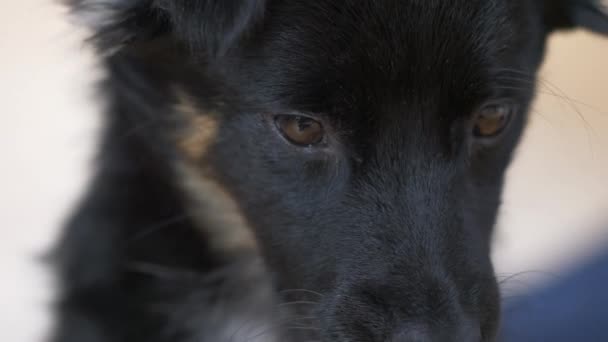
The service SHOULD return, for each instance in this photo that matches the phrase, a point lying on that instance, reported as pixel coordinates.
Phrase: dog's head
(358, 146)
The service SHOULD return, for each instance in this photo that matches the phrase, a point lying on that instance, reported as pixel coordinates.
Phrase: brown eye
(492, 120)
(300, 130)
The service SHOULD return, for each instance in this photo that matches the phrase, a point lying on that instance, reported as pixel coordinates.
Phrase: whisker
(287, 291)
(304, 328)
(161, 271)
(279, 324)
(590, 132)
(297, 303)
(551, 88)
(157, 226)
(514, 284)
(558, 93)
(544, 117)
(572, 103)
(524, 273)
(285, 327)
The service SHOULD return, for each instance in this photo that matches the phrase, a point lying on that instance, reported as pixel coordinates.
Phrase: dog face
(359, 147)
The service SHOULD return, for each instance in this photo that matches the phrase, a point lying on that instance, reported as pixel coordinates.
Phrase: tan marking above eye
(199, 127)
(215, 211)
(200, 134)
(491, 121)
(300, 130)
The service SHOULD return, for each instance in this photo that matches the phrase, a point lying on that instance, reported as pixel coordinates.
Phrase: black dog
(301, 170)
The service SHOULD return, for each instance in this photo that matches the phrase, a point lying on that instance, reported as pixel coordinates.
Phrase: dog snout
(422, 308)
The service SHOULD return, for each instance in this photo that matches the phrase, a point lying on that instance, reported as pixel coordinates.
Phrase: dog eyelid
(492, 119)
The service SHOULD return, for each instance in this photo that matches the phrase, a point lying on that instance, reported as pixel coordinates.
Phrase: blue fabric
(572, 309)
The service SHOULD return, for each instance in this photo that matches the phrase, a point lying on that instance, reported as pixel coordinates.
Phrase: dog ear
(588, 14)
(209, 25)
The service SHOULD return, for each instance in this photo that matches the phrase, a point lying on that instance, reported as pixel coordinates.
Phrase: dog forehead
(392, 24)
(326, 51)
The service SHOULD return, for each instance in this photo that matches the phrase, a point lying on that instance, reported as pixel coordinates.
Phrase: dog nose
(419, 333)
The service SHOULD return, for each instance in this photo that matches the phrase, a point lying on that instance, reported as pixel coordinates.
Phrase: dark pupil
(304, 123)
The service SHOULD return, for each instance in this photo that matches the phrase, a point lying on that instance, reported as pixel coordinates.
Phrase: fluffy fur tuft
(208, 25)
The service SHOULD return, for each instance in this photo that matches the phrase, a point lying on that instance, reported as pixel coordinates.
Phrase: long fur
(205, 222)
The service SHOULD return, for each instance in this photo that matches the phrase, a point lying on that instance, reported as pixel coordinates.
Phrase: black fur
(382, 235)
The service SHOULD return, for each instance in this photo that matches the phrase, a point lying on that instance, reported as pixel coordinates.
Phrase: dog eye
(300, 130)
(492, 120)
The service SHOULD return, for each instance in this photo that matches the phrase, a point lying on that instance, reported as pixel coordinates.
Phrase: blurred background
(555, 212)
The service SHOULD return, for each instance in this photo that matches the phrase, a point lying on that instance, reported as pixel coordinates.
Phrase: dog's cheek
(211, 205)
(248, 311)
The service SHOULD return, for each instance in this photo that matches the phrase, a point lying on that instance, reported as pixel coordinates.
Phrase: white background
(555, 208)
